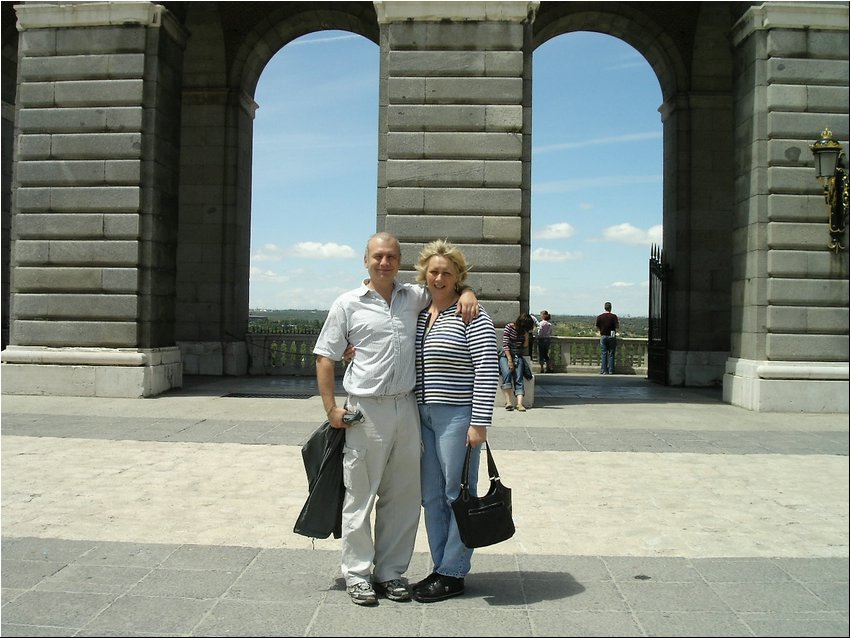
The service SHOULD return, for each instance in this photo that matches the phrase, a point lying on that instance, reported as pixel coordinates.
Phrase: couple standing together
(424, 373)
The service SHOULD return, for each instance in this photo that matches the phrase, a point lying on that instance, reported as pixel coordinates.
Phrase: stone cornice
(831, 16)
(98, 14)
(454, 11)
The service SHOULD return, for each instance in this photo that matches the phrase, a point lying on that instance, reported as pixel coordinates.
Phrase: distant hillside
(310, 321)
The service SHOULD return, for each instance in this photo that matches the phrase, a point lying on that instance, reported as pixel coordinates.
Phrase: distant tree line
(585, 326)
(286, 321)
(311, 321)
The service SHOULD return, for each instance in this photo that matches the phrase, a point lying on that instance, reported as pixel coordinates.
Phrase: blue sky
(596, 173)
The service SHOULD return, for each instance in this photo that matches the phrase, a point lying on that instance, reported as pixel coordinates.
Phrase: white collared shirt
(383, 335)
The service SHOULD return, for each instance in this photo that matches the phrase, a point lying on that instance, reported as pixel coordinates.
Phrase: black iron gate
(657, 340)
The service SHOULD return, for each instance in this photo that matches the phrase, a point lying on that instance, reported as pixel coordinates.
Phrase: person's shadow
(501, 588)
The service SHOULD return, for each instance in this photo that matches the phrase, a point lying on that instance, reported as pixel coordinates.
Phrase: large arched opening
(596, 175)
(314, 170)
(223, 63)
(694, 72)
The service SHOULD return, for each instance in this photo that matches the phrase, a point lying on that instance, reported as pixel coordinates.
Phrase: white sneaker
(394, 590)
(362, 594)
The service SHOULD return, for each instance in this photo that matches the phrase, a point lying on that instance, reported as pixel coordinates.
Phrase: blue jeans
(444, 430)
(609, 348)
(513, 378)
(543, 344)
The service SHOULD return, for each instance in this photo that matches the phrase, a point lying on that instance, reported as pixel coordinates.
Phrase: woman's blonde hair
(443, 248)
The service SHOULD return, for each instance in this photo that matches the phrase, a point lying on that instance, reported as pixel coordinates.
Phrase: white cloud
(621, 139)
(292, 142)
(638, 63)
(561, 230)
(321, 40)
(622, 284)
(544, 254)
(302, 250)
(605, 182)
(266, 276)
(628, 234)
(317, 250)
(294, 295)
(268, 252)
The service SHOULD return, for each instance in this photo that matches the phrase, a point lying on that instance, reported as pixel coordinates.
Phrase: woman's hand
(476, 435)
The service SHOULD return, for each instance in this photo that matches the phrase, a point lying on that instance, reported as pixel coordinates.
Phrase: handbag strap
(491, 467)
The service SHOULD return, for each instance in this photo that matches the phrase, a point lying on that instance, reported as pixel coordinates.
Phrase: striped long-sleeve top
(458, 364)
(512, 340)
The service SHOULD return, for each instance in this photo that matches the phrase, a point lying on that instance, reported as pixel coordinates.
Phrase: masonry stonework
(789, 347)
(95, 201)
(127, 178)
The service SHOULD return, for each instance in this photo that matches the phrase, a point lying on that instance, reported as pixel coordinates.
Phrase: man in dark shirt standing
(607, 324)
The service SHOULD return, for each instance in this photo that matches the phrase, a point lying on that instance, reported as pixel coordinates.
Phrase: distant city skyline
(596, 173)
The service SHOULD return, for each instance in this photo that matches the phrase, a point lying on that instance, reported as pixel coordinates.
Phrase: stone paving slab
(639, 512)
(91, 588)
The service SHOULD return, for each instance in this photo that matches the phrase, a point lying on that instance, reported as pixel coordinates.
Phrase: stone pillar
(789, 349)
(94, 212)
(698, 200)
(214, 233)
(9, 55)
(455, 138)
(214, 236)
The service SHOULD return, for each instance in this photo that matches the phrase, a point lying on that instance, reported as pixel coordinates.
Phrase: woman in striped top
(457, 376)
(515, 340)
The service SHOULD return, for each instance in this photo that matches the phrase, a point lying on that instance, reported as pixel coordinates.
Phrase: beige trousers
(381, 473)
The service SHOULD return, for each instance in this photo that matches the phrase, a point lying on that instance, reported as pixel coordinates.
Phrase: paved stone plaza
(640, 509)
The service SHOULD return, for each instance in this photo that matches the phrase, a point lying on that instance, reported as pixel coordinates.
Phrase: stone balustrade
(292, 355)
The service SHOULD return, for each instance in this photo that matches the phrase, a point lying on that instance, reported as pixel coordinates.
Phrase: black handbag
(484, 520)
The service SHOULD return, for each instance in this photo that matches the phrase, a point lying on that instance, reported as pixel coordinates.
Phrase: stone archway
(696, 113)
(129, 243)
(220, 77)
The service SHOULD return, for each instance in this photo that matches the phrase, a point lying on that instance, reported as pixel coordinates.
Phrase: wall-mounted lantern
(833, 177)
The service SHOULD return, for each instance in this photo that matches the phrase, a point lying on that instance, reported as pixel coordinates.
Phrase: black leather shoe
(425, 581)
(437, 587)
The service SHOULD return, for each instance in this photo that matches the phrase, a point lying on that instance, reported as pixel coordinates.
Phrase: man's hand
(467, 305)
(327, 382)
(342, 419)
(335, 415)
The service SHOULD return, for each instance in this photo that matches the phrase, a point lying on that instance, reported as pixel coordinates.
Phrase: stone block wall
(454, 135)
(95, 199)
(790, 291)
(94, 233)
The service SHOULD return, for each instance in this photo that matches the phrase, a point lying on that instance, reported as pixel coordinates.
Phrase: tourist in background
(544, 340)
(515, 340)
(532, 336)
(607, 324)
